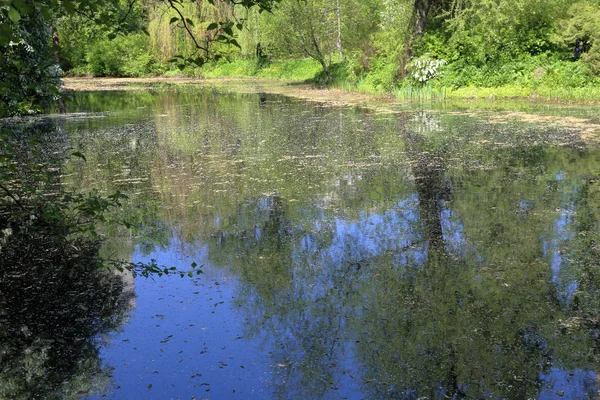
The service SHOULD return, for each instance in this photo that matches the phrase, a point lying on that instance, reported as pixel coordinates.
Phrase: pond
(348, 252)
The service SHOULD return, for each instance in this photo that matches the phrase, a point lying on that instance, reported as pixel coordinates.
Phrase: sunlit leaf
(14, 15)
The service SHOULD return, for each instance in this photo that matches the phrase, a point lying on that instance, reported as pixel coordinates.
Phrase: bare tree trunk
(339, 28)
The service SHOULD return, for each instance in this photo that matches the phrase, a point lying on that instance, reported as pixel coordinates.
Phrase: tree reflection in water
(398, 257)
(56, 299)
(53, 311)
(420, 302)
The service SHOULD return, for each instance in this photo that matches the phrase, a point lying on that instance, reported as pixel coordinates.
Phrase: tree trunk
(415, 30)
(326, 70)
(62, 109)
(339, 28)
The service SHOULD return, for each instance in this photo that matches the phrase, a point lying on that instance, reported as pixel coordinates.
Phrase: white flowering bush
(424, 69)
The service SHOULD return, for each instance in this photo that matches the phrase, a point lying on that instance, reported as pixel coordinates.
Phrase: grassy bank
(534, 78)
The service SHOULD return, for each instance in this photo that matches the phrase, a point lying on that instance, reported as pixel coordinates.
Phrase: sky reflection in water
(348, 254)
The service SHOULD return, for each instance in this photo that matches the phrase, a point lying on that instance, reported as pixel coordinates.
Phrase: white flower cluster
(425, 69)
(27, 46)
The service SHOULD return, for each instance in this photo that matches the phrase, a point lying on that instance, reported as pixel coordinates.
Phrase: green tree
(582, 21)
(306, 29)
(27, 62)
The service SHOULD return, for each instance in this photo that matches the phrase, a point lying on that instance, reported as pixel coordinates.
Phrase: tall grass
(427, 92)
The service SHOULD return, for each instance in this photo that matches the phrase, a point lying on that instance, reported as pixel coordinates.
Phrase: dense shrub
(128, 55)
(582, 22)
(28, 71)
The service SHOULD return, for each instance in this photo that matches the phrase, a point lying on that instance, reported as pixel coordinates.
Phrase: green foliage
(582, 22)
(304, 29)
(66, 225)
(481, 31)
(128, 55)
(28, 74)
(382, 75)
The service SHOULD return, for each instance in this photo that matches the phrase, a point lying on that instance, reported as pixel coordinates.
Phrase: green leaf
(5, 34)
(173, 20)
(189, 22)
(14, 15)
(68, 7)
(80, 155)
(212, 26)
(228, 30)
(198, 61)
(235, 43)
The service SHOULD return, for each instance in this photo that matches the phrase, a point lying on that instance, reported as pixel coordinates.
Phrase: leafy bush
(582, 22)
(28, 72)
(382, 75)
(424, 69)
(128, 55)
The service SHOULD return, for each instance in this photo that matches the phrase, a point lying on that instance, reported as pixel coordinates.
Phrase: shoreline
(555, 114)
(313, 91)
(302, 90)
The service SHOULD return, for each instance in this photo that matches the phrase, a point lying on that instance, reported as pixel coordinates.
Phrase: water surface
(348, 253)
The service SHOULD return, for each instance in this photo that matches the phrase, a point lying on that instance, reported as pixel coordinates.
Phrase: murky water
(348, 253)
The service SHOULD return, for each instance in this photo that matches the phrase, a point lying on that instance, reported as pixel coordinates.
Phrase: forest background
(447, 48)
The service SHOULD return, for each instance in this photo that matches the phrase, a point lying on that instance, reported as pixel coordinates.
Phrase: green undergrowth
(293, 70)
(542, 78)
